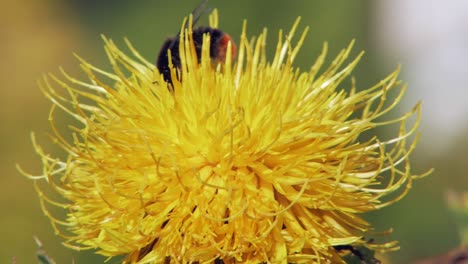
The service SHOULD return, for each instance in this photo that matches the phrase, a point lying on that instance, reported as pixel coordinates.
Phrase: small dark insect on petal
(218, 46)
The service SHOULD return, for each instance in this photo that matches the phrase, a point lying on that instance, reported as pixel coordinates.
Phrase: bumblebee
(218, 46)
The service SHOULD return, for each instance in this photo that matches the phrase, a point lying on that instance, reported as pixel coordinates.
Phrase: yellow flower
(250, 161)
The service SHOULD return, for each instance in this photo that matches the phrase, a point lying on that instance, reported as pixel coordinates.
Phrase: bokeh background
(428, 37)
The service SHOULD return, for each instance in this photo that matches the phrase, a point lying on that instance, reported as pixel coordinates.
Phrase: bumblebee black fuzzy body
(218, 49)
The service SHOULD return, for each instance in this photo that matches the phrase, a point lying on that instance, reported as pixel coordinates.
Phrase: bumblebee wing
(199, 11)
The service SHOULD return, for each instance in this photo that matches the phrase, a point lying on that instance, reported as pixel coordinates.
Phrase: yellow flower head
(245, 161)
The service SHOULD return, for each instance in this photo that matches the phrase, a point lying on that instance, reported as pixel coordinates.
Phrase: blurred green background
(39, 36)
